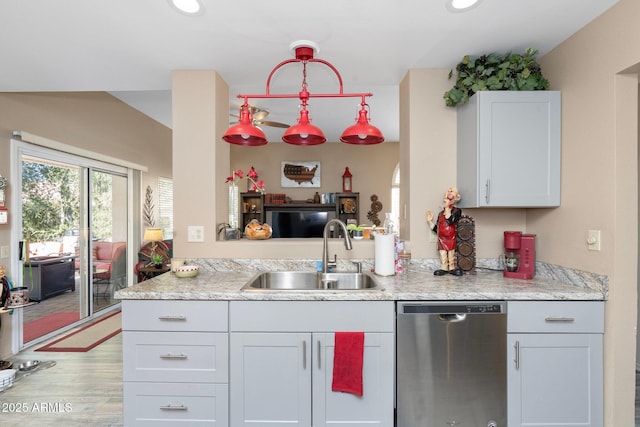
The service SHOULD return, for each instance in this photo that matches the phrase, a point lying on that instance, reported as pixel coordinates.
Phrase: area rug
(44, 325)
(89, 336)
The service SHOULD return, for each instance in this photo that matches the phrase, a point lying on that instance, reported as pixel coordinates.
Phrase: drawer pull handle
(173, 408)
(560, 319)
(516, 346)
(173, 356)
(172, 317)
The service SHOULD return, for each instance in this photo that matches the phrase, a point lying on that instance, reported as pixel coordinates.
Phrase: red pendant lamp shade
(245, 133)
(362, 133)
(304, 133)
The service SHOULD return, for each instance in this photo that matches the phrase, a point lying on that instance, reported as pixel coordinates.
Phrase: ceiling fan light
(304, 133)
(362, 133)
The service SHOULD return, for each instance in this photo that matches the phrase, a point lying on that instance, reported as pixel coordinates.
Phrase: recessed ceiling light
(461, 5)
(188, 7)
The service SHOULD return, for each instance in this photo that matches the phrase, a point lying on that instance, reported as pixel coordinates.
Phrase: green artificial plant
(354, 227)
(509, 71)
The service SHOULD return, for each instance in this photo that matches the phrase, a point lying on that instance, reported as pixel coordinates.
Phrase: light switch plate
(195, 233)
(593, 240)
(4, 251)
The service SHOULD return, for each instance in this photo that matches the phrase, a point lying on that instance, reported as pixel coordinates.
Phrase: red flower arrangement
(252, 176)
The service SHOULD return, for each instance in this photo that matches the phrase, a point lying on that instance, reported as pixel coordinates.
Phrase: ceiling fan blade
(259, 114)
(272, 124)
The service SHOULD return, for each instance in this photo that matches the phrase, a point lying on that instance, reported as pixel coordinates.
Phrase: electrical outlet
(593, 240)
(4, 251)
(195, 233)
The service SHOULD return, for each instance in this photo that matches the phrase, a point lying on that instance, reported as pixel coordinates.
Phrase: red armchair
(110, 262)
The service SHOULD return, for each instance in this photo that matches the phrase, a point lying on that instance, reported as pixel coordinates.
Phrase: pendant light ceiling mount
(303, 133)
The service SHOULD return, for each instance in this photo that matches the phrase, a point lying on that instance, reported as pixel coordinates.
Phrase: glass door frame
(86, 164)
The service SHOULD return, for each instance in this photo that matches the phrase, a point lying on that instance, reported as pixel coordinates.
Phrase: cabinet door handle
(559, 319)
(304, 354)
(319, 354)
(487, 191)
(172, 317)
(173, 356)
(517, 359)
(171, 407)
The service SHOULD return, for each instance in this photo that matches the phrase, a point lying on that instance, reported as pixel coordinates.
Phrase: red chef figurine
(446, 230)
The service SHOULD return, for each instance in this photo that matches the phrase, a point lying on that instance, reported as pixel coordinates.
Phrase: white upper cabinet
(509, 149)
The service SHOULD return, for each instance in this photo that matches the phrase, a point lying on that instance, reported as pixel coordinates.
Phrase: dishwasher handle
(452, 317)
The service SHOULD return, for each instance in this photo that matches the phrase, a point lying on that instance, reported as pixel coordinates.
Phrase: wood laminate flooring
(82, 389)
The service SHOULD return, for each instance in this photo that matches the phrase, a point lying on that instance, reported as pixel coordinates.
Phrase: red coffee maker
(519, 255)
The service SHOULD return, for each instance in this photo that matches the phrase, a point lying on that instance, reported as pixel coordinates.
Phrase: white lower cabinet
(175, 363)
(555, 363)
(281, 364)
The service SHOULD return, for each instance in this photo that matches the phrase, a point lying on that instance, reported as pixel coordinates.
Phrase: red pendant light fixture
(362, 133)
(245, 133)
(303, 133)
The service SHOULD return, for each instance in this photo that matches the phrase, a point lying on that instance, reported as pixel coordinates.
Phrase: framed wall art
(299, 174)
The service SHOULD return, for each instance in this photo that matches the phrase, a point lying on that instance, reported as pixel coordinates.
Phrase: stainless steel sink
(311, 281)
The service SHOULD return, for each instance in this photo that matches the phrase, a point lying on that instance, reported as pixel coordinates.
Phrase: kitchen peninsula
(198, 347)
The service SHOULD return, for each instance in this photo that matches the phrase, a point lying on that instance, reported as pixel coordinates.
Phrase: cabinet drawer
(173, 315)
(555, 316)
(154, 404)
(175, 356)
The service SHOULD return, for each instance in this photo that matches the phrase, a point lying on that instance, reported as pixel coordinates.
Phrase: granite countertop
(222, 280)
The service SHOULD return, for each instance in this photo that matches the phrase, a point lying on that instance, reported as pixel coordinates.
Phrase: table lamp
(153, 235)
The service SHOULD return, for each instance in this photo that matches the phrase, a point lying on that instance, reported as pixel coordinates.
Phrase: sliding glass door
(74, 214)
(52, 192)
(108, 213)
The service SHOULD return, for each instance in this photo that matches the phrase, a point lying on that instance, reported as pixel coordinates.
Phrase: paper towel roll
(384, 255)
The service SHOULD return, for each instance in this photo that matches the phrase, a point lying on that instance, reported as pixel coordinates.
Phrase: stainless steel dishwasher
(451, 364)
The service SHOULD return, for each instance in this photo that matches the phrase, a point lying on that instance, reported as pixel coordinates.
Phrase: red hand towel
(347, 362)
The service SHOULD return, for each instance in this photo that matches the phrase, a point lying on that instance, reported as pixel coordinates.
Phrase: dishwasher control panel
(446, 308)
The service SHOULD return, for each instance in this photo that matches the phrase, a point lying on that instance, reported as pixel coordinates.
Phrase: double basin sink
(311, 281)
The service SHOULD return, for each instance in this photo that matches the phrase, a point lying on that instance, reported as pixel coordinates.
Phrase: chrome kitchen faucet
(325, 246)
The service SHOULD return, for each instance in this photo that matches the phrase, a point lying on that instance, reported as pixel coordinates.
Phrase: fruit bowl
(187, 271)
